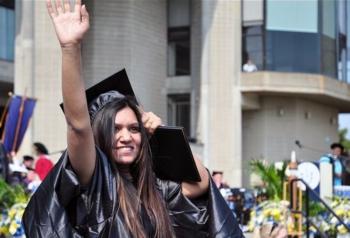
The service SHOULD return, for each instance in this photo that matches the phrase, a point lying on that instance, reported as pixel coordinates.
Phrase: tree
(343, 140)
(272, 177)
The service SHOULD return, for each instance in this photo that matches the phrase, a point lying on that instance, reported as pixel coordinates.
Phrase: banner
(19, 112)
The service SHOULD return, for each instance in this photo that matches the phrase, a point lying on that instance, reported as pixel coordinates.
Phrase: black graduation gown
(62, 208)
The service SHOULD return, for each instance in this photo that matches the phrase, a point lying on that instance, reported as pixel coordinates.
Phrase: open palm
(70, 25)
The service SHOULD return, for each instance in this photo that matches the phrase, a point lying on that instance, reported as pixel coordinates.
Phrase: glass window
(252, 46)
(179, 51)
(328, 37)
(178, 13)
(328, 18)
(289, 15)
(308, 37)
(292, 52)
(253, 12)
(179, 111)
(8, 3)
(341, 40)
(7, 33)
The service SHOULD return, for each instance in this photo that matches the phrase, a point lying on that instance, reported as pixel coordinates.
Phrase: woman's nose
(125, 135)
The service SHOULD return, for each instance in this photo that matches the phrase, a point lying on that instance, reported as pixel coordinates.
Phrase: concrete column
(131, 35)
(220, 105)
(24, 61)
(196, 61)
(38, 72)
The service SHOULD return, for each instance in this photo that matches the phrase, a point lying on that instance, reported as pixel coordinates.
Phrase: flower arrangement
(328, 223)
(11, 221)
(13, 200)
(271, 212)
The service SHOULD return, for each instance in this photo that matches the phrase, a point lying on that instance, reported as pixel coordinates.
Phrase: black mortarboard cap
(172, 155)
(117, 82)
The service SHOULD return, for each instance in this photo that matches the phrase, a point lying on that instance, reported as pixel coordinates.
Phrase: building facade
(7, 34)
(185, 60)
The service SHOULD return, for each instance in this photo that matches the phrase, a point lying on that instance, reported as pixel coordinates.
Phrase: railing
(307, 205)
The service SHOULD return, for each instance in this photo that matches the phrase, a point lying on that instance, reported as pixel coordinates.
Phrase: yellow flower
(12, 212)
(4, 230)
(340, 212)
(342, 229)
(267, 212)
(276, 214)
(13, 227)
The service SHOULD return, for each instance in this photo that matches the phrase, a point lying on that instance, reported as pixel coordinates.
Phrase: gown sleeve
(61, 207)
(207, 216)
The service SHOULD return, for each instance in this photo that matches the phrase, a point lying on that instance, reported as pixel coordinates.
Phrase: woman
(43, 164)
(104, 186)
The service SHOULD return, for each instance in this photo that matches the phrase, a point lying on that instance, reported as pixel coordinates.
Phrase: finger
(153, 126)
(84, 15)
(150, 128)
(156, 123)
(50, 9)
(66, 6)
(145, 118)
(59, 6)
(156, 119)
(77, 6)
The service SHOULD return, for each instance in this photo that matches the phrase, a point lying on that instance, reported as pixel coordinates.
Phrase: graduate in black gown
(104, 185)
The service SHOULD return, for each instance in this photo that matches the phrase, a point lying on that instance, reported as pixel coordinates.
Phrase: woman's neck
(124, 171)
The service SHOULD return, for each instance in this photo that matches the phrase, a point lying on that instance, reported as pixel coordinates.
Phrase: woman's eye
(134, 129)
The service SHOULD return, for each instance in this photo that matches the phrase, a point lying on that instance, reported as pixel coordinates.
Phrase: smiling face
(127, 137)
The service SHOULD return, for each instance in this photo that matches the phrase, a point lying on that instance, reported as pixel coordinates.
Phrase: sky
(344, 122)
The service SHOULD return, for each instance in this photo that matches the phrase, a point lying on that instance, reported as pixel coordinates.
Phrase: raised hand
(70, 23)
(150, 121)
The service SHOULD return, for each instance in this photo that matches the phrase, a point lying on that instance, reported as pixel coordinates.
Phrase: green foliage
(343, 140)
(272, 177)
(9, 195)
(316, 208)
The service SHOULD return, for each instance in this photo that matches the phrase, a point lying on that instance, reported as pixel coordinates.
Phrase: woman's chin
(125, 160)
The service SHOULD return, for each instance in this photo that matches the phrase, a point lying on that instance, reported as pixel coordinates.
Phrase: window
(179, 111)
(178, 37)
(7, 33)
(8, 3)
(253, 45)
(179, 51)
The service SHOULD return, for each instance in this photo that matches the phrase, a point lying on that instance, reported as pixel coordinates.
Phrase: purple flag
(19, 113)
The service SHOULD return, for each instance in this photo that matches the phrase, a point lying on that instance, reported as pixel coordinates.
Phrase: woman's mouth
(125, 149)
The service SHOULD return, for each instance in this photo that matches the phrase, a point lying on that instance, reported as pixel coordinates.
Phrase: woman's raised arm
(71, 22)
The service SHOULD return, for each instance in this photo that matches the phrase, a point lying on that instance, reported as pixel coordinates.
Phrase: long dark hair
(143, 188)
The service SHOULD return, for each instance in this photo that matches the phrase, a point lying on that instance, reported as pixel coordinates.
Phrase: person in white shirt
(249, 67)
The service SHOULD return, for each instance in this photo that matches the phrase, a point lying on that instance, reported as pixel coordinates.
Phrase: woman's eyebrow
(128, 124)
